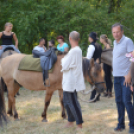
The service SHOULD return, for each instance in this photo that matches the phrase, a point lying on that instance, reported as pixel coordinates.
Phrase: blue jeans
(7, 46)
(123, 100)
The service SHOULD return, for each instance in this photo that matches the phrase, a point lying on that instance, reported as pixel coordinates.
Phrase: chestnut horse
(31, 80)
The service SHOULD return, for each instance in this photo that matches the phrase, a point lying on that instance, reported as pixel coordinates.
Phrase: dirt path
(99, 118)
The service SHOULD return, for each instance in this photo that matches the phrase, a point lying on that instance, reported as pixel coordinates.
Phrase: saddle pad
(28, 63)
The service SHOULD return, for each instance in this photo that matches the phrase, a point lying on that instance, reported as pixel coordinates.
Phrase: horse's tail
(3, 115)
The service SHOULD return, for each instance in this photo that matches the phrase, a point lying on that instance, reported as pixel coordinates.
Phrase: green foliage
(33, 19)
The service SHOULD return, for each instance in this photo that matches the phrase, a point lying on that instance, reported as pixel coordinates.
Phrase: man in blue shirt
(122, 77)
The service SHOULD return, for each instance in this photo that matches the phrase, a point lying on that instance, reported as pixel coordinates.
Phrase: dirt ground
(99, 118)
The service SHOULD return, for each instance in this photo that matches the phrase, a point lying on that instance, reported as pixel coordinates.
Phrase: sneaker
(119, 129)
(132, 59)
(131, 131)
(128, 55)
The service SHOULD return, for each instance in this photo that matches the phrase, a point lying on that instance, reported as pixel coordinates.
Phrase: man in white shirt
(40, 47)
(73, 80)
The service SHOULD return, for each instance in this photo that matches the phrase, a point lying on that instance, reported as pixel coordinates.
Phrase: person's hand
(127, 81)
(133, 53)
(0, 47)
(132, 89)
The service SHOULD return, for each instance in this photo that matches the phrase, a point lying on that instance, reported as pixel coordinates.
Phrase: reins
(93, 82)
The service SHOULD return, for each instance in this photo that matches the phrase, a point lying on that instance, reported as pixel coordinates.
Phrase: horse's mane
(86, 66)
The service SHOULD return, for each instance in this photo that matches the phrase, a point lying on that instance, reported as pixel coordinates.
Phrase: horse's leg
(47, 102)
(62, 105)
(10, 101)
(16, 89)
(12, 90)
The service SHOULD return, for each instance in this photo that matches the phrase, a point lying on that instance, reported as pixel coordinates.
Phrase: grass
(99, 118)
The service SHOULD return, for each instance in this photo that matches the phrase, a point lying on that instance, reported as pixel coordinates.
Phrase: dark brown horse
(13, 78)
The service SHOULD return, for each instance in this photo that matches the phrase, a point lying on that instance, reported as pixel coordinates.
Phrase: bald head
(74, 35)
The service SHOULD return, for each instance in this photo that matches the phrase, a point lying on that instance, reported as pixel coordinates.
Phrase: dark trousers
(72, 107)
(108, 77)
(123, 100)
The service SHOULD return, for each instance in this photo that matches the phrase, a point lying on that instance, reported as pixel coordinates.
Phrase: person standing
(122, 77)
(73, 80)
(62, 46)
(107, 69)
(7, 37)
(94, 51)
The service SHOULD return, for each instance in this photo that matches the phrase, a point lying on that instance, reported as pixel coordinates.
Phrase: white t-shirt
(40, 49)
(72, 71)
(90, 51)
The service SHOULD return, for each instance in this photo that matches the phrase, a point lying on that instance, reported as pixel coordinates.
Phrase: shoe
(131, 131)
(105, 95)
(119, 129)
(110, 95)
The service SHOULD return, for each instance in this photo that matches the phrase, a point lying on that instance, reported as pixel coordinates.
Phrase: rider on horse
(7, 37)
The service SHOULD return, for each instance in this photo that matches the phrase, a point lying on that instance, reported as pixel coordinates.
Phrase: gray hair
(74, 35)
(118, 24)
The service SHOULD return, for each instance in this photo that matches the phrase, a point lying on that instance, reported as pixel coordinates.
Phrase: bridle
(93, 82)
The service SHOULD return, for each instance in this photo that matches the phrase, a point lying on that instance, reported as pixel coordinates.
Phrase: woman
(62, 46)
(94, 51)
(7, 37)
(107, 69)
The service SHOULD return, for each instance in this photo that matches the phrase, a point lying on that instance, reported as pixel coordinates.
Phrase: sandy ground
(99, 118)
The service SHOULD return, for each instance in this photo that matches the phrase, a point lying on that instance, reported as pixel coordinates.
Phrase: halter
(95, 83)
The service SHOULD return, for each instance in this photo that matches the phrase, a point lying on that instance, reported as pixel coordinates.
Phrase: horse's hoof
(44, 120)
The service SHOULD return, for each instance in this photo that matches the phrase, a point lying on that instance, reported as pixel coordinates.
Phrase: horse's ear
(92, 62)
(98, 61)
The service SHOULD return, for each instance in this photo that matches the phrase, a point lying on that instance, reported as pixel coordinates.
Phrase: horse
(107, 57)
(14, 78)
(7, 52)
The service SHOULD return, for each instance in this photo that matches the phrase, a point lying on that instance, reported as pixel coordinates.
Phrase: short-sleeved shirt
(62, 48)
(38, 48)
(121, 63)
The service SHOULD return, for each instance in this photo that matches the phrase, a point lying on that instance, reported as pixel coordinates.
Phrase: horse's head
(94, 74)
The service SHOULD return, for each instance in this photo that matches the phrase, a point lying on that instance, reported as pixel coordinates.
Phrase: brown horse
(13, 78)
(3, 116)
(107, 56)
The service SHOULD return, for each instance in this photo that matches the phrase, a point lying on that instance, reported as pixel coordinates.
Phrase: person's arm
(66, 47)
(68, 62)
(130, 48)
(44, 48)
(0, 35)
(15, 40)
(90, 51)
(0, 38)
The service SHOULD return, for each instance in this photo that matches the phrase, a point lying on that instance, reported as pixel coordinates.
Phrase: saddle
(47, 60)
